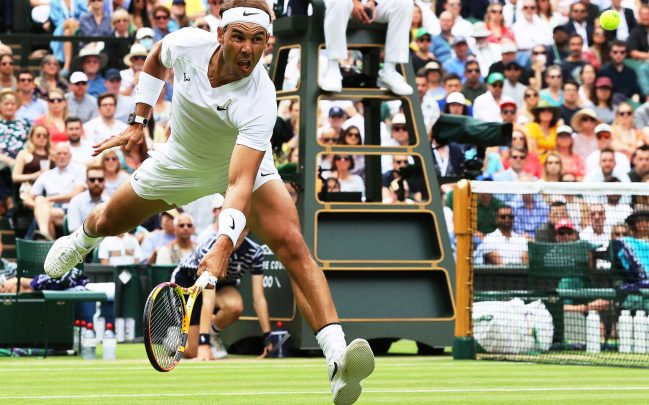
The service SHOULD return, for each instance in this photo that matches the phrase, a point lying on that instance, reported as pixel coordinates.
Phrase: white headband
(246, 15)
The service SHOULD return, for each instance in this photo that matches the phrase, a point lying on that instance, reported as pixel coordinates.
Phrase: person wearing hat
(216, 204)
(486, 53)
(337, 117)
(457, 64)
(396, 13)
(159, 237)
(565, 231)
(456, 104)
(603, 99)
(420, 52)
(125, 104)
(80, 103)
(135, 62)
(145, 36)
(433, 72)
(605, 141)
(487, 106)
(571, 162)
(473, 86)
(542, 132)
(193, 8)
(91, 61)
(508, 110)
(94, 22)
(583, 123)
(638, 223)
(512, 87)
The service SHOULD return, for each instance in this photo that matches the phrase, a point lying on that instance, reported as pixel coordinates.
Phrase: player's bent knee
(291, 246)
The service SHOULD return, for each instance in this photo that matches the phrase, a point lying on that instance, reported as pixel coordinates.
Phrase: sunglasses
(185, 225)
(121, 20)
(202, 26)
(138, 57)
(345, 158)
(625, 113)
(497, 84)
(55, 100)
(588, 119)
(508, 111)
(161, 17)
(578, 10)
(528, 95)
(328, 139)
(604, 135)
(506, 216)
(554, 77)
(25, 80)
(496, 11)
(354, 134)
(538, 53)
(95, 179)
(565, 232)
(400, 128)
(552, 162)
(517, 157)
(513, 68)
(529, 7)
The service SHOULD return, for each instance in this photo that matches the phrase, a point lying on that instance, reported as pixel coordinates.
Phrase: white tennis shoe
(64, 255)
(347, 371)
(217, 346)
(331, 80)
(394, 82)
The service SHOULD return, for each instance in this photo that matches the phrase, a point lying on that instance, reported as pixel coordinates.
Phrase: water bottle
(100, 327)
(119, 330)
(640, 332)
(129, 329)
(279, 338)
(82, 328)
(76, 339)
(592, 332)
(109, 343)
(625, 330)
(88, 343)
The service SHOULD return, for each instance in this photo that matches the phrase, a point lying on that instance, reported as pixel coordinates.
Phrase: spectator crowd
(575, 94)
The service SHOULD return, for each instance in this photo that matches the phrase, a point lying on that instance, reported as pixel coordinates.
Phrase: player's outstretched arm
(244, 166)
(134, 134)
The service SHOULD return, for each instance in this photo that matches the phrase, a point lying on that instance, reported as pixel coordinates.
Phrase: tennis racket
(166, 321)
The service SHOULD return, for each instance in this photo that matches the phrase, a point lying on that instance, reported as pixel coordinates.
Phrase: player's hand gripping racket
(166, 321)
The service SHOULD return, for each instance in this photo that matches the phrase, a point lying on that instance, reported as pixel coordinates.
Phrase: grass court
(399, 378)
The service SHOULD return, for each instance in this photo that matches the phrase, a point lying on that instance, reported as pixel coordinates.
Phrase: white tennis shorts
(154, 180)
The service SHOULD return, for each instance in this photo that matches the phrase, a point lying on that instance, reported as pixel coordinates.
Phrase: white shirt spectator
(82, 153)
(120, 250)
(486, 108)
(462, 28)
(166, 253)
(596, 176)
(96, 129)
(59, 181)
(79, 208)
(589, 235)
(486, 53)
(622, 163)
(528, 35)
(510, 249)
(515, 91)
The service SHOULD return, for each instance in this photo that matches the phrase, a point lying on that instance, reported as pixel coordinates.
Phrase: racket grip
(205, 279)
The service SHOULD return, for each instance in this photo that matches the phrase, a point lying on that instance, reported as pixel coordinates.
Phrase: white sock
(332, 64)
(331, 339)
(389, 67)
(83, 239)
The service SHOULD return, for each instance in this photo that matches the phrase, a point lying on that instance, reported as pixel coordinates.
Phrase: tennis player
(224, 111)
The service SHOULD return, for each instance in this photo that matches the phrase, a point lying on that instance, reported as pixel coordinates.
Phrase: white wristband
(231, 223)
(148, 89)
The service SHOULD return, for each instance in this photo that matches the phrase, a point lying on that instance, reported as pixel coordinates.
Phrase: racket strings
(166, 326)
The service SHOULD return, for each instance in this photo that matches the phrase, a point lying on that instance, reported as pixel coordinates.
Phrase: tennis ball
(609, 20)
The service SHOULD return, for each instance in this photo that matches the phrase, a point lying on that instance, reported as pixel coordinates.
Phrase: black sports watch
(137, 119)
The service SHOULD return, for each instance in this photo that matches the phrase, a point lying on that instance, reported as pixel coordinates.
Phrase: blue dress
(59, 13)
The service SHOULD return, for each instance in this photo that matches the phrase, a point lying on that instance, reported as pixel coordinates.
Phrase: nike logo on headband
(246, 15)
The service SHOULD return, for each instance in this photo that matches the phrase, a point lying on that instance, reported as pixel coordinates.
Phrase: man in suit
(579, 24)
(627, 22)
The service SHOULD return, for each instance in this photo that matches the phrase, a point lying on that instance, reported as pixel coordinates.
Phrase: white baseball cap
(143, 33)
(217, 201)
(456, 97)
(77, 77)
(602, 128)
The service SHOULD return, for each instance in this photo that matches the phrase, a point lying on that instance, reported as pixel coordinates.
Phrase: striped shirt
(249, 256)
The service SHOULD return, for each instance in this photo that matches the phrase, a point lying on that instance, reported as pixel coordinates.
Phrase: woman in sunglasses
(114, 175)
(33, 160)
(343, 166)
(57, 112)
(352, 136)
(626, 137)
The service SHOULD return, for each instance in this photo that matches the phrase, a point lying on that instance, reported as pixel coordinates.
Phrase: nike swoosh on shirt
(219, 108)
(265, 174)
